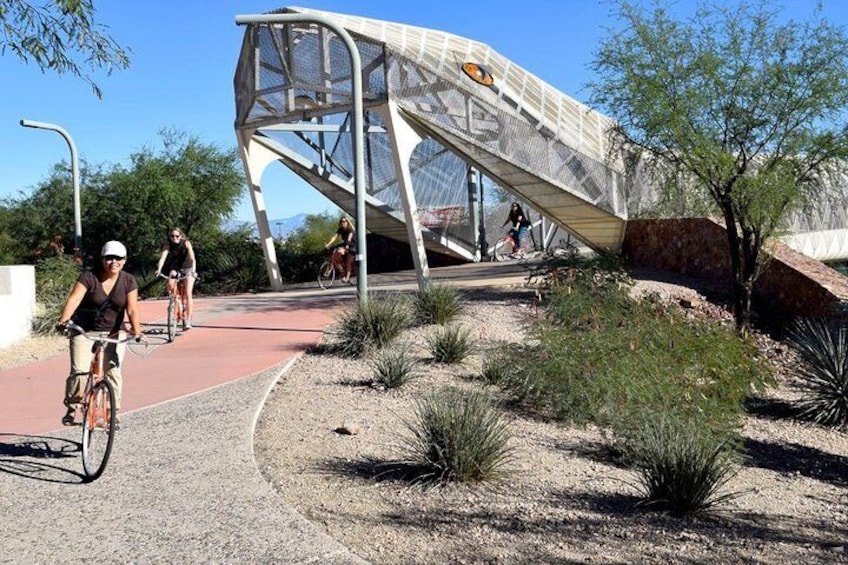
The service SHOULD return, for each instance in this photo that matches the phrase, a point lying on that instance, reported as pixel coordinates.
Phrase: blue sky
(184, 57)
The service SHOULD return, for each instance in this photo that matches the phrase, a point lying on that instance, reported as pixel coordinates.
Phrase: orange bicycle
(176, 311)
(330, 269)
(504, 248)
(98, 417)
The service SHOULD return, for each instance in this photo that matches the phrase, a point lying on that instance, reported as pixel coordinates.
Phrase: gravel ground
(181, 487)
(565, 499)
(31, 349)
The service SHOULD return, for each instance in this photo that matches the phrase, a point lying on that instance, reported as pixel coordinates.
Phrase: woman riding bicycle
(178, 257)
(97, 303)
(520, 225)
(345, 250)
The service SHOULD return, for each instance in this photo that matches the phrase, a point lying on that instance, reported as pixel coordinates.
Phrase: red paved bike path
(233, 337)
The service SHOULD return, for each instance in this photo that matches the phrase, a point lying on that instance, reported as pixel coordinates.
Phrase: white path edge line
(261, 405)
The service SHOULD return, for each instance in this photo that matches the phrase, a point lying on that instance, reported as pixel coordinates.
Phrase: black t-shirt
(518, 217)
(99, 312)
(346, 233)
(177, 258)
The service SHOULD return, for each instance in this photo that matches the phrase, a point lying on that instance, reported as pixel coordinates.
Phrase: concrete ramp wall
(17, 302)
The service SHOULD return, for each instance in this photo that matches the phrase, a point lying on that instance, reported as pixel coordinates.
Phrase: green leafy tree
(55, 35)
(8, 245)
(43, 222)
(302, 252)
(731, 104)
(187, 183)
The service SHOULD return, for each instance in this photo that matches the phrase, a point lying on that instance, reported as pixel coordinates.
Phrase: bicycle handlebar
(70, 325)
(179, 276)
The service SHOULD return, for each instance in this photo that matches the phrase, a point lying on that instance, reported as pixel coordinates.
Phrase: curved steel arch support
(256, 158)
(405, 139)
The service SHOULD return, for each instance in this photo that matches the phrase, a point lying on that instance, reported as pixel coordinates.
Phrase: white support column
(404, 139)
(474, 210)
(256, 158)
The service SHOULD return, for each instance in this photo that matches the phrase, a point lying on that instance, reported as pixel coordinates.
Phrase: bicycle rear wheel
(98, 429)
(172, 319)
(326, 275)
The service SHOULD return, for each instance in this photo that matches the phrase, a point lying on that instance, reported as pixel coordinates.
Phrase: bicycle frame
(177, 298)
(332, 268)
(503, 248)
(98, 407)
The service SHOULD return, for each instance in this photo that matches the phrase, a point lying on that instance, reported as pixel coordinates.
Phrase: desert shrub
(457, 436)
(823, 347)
(450, 344)
(681, 465)
(588, 296)
(371, 325)
(394, 368)
(303, 251)
(599, 357)
(498, 364)
(510, 367)
(437, 303)
(54, 278)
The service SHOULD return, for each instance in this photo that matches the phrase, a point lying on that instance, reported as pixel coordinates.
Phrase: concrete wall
(17, 302)
(792, 283)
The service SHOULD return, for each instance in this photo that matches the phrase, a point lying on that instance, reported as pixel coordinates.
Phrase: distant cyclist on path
(520, 225)
(178, 257)
(345, 251)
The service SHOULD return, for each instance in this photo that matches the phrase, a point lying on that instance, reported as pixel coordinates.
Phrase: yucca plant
(394, 368)
(450, 344)
(457, 436)
(823, 347)
(681, 465)
(437, 303)
(371, 325)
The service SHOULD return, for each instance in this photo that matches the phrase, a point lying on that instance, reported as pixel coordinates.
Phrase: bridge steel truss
(437, 108)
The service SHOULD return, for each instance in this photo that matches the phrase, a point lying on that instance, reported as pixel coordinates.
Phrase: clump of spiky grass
(457, 436)
(372, 325)
(823, 347)
(450, 344)
(394, 368)
(437, 303)
(495, 369)
(502, 363)
(681, 465)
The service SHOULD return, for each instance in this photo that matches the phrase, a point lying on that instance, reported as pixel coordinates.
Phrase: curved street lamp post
(74, 174)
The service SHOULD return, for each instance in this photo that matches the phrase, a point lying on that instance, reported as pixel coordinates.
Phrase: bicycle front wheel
(503, 248)
(326, 275)
(98, 429)
(172, 319)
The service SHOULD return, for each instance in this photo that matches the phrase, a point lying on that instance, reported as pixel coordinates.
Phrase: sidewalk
(233, 337)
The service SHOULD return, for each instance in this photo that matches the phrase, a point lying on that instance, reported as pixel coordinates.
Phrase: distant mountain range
(280, 228)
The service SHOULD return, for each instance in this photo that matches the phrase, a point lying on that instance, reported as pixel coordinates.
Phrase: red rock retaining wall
(791, 282)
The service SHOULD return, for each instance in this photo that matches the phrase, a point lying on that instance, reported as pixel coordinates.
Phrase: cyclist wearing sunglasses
(178, 257)
(97, 302)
